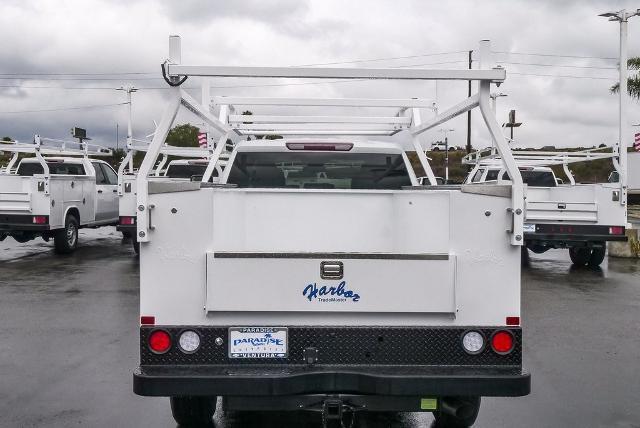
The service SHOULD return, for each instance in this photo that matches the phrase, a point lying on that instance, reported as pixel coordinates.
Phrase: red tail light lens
(502, 342)
(513, 320)
(159, 341)
(40, 219)
(129, 221)
(616, 230)
(147, 320)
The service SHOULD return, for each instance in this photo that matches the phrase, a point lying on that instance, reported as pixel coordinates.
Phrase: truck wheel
(579, 255)
(65, 240)
(457, 412)
(136, 245)
(193, 411)
(597, 256)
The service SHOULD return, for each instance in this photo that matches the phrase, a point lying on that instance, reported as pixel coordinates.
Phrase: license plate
(258, 342)
(529, 228)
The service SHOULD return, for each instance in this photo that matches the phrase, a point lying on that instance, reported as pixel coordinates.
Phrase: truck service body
(318, 274)
(193, 167)
(54, 196)
(579, 217)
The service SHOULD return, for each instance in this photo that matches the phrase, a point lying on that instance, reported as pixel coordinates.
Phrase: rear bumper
(300, 379)
(572, 238)
(365, 360)
(131, 228)
(20, 223)
(567, 234)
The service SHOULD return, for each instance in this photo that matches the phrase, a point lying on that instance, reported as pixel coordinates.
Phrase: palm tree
(633, 83)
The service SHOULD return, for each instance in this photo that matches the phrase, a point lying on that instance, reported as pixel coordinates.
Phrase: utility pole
(446, 153)
(622, 17)
(117, 135)
(469, 112)
(128, 89)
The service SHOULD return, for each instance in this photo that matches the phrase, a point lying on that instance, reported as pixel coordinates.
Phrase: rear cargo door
(15, 194)
(299, 251)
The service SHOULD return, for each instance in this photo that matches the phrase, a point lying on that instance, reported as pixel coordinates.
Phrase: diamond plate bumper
(390, 361)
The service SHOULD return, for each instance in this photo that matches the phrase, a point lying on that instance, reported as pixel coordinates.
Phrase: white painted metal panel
(313, 220)
(295, 285)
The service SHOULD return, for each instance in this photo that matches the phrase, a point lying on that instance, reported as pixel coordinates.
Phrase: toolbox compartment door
(293, 251)
(15, 194)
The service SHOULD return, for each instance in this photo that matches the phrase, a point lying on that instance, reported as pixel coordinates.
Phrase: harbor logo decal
(328, 294)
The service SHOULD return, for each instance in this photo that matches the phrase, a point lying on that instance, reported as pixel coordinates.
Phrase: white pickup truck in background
(52, 197)
(579, 217)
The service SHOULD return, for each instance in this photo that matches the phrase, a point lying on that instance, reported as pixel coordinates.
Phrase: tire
(135, 245)
(597, 256)
(446, 420)
(436, 149)
(66, 240)
(580, 256)
(193, 411)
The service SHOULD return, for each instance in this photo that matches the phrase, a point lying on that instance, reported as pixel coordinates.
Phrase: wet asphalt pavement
(69, 341)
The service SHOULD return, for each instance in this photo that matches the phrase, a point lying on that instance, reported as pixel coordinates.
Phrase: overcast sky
(100, 40)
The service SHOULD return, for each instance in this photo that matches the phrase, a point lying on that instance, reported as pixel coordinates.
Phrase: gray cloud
(115, 36)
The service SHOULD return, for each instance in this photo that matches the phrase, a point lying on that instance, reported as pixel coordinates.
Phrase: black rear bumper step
(550, 237)
(272, 380)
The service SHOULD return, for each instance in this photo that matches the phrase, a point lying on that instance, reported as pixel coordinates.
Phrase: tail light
(502, 342)
(159, 341)
(189, 341)
(616, 230)
(473, 342)
(147, 320)
(513, 320)
(40, 219)
(127, 221)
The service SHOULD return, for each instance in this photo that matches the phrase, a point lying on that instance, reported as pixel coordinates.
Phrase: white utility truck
(57, 192)
(318, 274)
(191, 168)
(579, 217)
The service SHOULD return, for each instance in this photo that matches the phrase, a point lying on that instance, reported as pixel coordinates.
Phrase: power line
(563, 76)
(379, 59)
(558, 65)
(63, 108)
(76, 74)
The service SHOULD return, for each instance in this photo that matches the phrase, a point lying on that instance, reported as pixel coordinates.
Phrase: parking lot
(69, 341)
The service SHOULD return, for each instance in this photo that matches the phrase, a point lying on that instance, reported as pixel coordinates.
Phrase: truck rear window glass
(492, 174)
(55, 168)
(314, 170)
(187, 171)
(538, 178)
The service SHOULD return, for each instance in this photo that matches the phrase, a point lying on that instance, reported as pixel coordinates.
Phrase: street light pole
(446, 154)
(622, 16)
(128, 89)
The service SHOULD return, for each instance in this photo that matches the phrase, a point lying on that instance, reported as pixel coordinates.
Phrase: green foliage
(633, 83)
(183, 136)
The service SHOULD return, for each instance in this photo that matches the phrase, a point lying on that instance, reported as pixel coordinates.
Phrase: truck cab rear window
(313, 170)
(188, 171)
(538, 178)
(55, 168)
